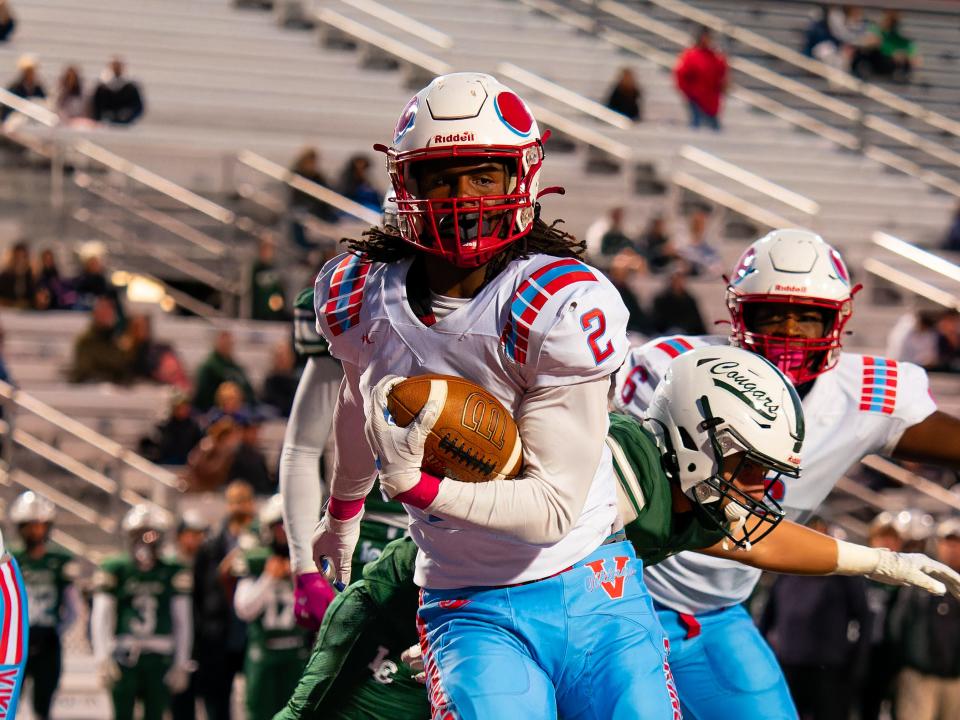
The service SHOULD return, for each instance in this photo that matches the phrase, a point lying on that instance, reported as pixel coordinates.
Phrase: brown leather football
(474, 439)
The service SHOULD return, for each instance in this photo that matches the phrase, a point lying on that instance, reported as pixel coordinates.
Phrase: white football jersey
(861, 406)
(544, 321)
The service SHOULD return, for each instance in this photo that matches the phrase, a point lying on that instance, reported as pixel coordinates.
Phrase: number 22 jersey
(542, 322)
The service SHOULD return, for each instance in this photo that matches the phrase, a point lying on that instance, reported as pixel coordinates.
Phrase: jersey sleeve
(307, 341)
(107, 577)
(643, 370)
(567, 324)
(910, 389)
(338, 302)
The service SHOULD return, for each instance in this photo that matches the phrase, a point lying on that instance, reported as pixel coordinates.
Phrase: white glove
(413, 656)
(177, 678)
(399, 450)
(108, 673)
(336, 540)
(895, 568)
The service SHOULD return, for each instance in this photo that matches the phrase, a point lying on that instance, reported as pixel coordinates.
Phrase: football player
(277, 648)
(53, 603)
(790, 297)
(474, 283)
(308, 438)
(141, 624)
(692, 476)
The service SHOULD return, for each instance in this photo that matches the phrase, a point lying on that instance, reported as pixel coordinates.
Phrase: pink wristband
(344, 509)
(421, 494)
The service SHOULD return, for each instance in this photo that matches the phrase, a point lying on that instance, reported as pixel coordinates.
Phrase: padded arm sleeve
(563, 430)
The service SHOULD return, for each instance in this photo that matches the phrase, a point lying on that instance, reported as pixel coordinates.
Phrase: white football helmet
(471, 116)
(792, 266)
(144, 526)
(269, 516)
(30, 507)
(717, 401)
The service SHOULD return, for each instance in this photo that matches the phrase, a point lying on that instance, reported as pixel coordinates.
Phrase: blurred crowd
(847, 644)
(930, 338)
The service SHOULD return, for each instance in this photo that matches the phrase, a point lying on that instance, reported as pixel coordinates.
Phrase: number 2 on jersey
(595, 320)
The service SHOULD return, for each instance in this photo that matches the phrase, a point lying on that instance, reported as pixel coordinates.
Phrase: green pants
(143, 680)
(43, 665)
(271, 680)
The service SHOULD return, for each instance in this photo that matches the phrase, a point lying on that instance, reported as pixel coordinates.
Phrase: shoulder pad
(339, 294)
(182, 581)
(104, 580)
(645, 366)
(304, 300)
(71, 570)
(566, 322)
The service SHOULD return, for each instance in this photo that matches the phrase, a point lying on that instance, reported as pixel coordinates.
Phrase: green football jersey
(658, 531)
(355, 669)
(144, 598)
(306, 339)
(46, 579)
(275, 629)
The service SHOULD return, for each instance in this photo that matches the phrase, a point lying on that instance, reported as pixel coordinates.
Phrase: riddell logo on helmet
(455, 138)
(790, 288)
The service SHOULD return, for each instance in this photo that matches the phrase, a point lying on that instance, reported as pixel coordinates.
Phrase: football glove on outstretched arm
(399, 450)
(895, 568)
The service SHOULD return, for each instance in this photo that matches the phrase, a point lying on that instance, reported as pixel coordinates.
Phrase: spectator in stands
(701, 76)
(355, 183)
(948, 342)
(151, 360)
(303, 206)
(172, 440)
(914, 338)
(626, 97)
(886, 52)
(27, 85)
(835, 35)
(117, 99)
(219, 367)
(219, 636)
(267, 294)
(209, 463)
(230, 401)
(191, 533)
(8, 22)
(876, 690)
(17, 286)
(701, 257)
(280, 385)
(249, 462)
(657, 246)
(92, 281)
(621, 270)
(926, 630)
(674, 309)
(51, 292)
(70, 103)
(97, 355)
(952, 241)
(818, 629)
(615, 239)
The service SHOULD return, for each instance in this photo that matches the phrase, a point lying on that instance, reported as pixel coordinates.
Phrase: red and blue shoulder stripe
(674, 346)
(532, 295)
(345, 298)
(878, 392)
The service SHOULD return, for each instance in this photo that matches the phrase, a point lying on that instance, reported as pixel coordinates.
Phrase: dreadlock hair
(385, 245)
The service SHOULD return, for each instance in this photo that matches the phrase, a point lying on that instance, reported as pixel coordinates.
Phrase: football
(473, 440)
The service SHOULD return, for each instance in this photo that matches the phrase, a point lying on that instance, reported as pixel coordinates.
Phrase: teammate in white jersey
(789, 298)
(473, 283)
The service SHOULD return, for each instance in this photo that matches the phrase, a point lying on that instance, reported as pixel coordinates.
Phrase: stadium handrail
(369, 36)
(278, 172)
(911, 284)
(917, 255)
(23, 400)
(403, 22)
(729, 200)
(790, 56)
(749, 179)
(911, 480)
(780, 82)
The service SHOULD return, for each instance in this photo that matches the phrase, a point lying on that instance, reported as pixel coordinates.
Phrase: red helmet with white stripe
(473, 117)
(794, 267)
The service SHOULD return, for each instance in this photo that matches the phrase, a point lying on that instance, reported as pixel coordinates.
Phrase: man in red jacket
(701, 75)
